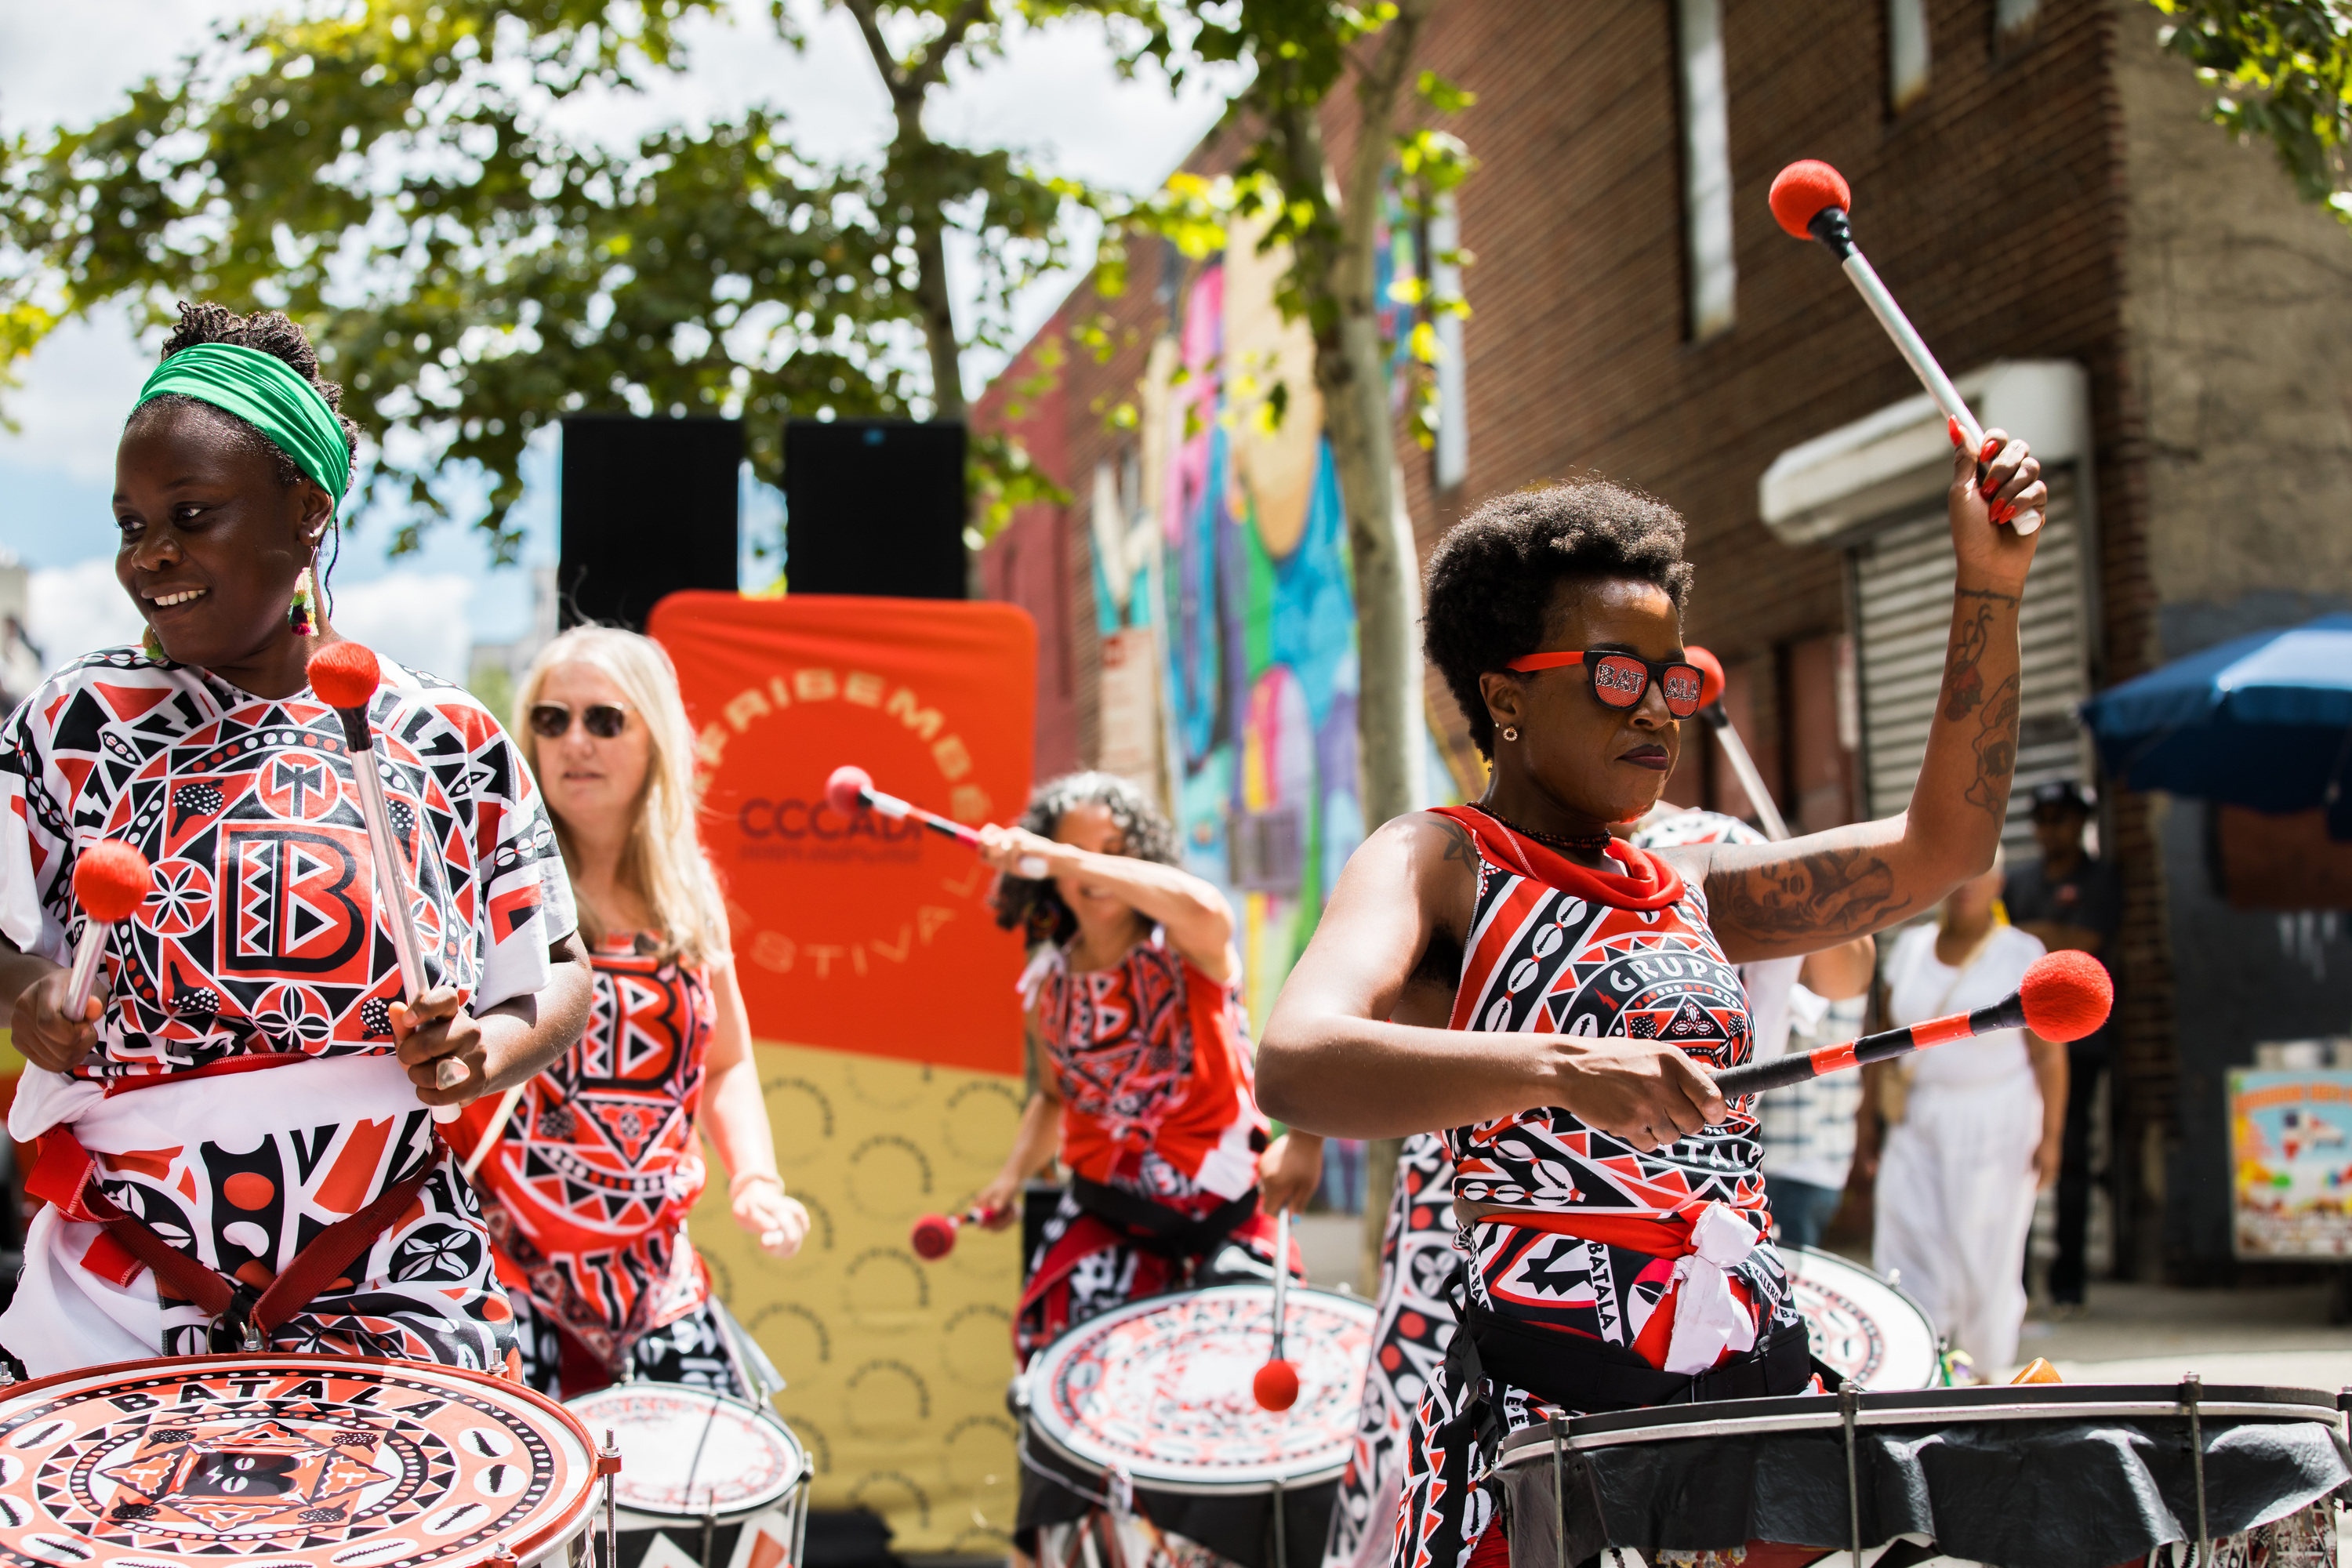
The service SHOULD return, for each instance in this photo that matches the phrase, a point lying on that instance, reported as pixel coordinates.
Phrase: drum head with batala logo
(1161, 1389)
(288, 1461)
(688, 1452)
(1862, 1328)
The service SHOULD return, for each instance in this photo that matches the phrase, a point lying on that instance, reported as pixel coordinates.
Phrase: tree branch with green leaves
(2279, 70)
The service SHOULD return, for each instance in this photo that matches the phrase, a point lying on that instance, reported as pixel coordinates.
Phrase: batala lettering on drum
(291, 1462)
(712, 1482)
(1146, 1419)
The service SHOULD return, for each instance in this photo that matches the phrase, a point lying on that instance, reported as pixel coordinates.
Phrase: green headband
(264, 391)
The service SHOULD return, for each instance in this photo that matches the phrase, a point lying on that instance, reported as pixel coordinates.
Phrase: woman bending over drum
(174, 1208)
(1143, 1085)
(1555, 998)
(587, 1185)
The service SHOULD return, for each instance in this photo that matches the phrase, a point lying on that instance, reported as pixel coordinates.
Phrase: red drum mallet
(110, 881)
(1811, 201)
(2063, 996)
(1735, 750)
(345, 675)
(935, 1234)
(851, 787)
(1275, 1383)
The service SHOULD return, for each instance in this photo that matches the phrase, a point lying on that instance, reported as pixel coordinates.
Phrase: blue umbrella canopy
(2263, 722)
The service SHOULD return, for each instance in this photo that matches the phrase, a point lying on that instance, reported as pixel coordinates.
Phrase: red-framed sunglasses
(1618, 679)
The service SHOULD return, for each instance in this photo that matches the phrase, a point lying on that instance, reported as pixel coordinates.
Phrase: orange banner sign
(861, 933)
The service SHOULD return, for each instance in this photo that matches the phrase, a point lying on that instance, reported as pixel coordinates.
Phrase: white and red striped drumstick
(1712, 712)
(2063, 996)
(935, 1234)
(1275, 1384)
(345, 675)
(110, 881)
(852, 787)
(1812, 200)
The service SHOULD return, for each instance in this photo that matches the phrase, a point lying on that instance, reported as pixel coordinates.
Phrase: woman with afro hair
(1554, 998)
(1142, 1076)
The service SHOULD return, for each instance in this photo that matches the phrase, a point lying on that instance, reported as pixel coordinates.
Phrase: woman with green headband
(174, 1211)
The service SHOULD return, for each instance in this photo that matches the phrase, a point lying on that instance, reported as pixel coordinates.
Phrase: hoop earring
(1510, 733)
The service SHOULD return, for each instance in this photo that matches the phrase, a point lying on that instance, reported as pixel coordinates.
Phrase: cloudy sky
(1053, 94)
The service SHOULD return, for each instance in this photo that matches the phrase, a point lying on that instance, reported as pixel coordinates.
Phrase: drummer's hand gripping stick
(1811, 201)
(2063, 996)
(935, 1234)
(345, 675)
(1276, 1383)
(851, 787)
(1717, 718)
(110, 881)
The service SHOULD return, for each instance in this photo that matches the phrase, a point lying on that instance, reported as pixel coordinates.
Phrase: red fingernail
(2003, 511)
(1991, 449)
(1952, 429)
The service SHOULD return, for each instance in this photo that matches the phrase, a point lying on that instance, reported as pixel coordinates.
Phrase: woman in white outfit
(1972, 1128)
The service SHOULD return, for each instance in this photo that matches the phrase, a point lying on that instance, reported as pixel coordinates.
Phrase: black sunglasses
(1618, 679)
(553, 721)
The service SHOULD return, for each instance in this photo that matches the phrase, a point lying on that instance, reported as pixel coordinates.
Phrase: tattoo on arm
(1458, 846)
(1995, 741)
(1830, 892)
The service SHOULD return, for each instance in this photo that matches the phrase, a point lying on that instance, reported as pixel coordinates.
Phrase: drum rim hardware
(1911, 1408)
(802, 1471)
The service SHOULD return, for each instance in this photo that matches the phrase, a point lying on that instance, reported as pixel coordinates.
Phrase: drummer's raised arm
(1770, 901)
(1337, 1059)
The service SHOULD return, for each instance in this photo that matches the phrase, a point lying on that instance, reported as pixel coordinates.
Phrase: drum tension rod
(2193, 1391)
(1850, 1407)
(1558, 1425)
(608, 1464)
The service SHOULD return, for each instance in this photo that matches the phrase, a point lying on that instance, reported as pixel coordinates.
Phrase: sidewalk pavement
(2276, 1336)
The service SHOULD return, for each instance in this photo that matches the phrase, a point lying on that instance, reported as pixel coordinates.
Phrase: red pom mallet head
(844, 791)
(2067, 995)
(109, 880)
(935, 1236)
(1801, 190)
(1710, 675)
(345, 674)
(1276, 1386)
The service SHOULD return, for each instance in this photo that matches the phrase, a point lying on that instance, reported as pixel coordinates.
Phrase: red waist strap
(66, 1175)
(1668, 1238)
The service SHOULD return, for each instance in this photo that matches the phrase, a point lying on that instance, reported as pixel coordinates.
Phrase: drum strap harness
(243, 1317)
(1160, 1228)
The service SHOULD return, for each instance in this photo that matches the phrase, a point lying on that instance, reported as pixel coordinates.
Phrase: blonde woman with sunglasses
(588, 1181)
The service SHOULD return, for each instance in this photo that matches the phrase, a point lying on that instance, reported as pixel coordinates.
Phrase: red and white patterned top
(587, 1190)
(1557, 948)
(261, 935)
(1152, 1061)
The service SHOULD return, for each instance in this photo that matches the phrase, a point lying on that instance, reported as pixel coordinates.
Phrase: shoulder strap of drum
(1142, 1217)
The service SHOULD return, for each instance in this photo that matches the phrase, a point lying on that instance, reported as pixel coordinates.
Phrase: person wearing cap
(313, 1206)
(2070, 898)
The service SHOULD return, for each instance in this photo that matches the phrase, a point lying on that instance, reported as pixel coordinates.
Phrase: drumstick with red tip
(345, 675)
(1276, 1383)
(110, 881)
(851, 787)
(1811, 201)
(935, 1234)
(1735, 750)
(2063, 996)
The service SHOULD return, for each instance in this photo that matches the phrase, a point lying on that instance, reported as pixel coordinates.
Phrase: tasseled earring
(298, 614)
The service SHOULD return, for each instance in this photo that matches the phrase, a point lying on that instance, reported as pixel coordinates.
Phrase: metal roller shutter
(1903, 578)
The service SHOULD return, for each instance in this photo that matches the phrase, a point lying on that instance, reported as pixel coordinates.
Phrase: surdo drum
(1862, 1328)
(282, 1461)
(705, 1480)
(1144, 1417)
(2033, 1476)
